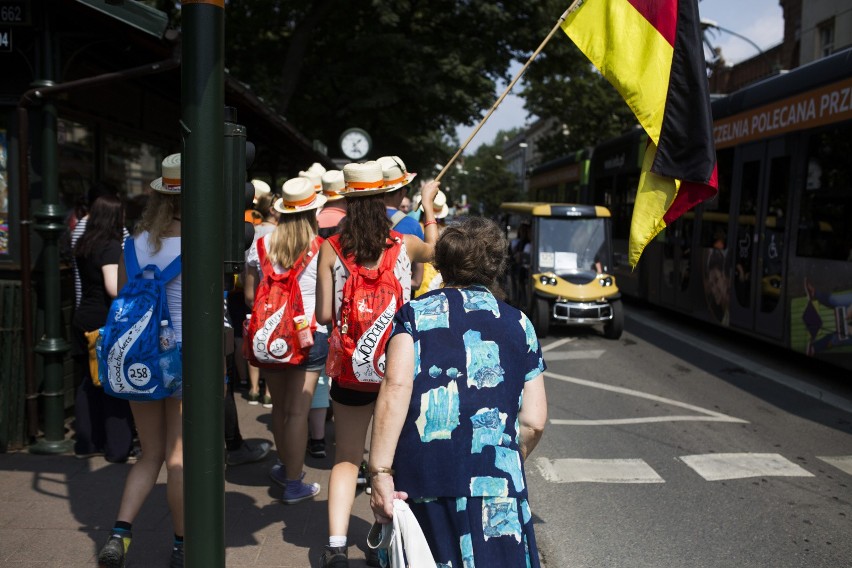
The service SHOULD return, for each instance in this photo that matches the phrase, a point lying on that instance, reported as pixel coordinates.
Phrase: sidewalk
(57, 510)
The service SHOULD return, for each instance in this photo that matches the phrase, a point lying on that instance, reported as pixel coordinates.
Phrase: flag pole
(570, 9)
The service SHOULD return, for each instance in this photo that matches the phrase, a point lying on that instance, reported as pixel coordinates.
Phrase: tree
(562, 83)
(483, 177)
(407, 71)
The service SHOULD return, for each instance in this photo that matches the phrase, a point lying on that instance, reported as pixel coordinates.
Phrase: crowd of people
(449, 376)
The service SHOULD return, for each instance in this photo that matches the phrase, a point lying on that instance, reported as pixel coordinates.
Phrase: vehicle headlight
(606, 281)
(547, 279)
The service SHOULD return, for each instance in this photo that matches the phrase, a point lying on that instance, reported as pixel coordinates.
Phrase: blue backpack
(138, 358)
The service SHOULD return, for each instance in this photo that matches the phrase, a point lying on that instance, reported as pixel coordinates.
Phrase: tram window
(825, 217)
(714, 225)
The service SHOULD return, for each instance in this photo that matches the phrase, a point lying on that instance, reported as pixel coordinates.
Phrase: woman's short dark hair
(471, 251)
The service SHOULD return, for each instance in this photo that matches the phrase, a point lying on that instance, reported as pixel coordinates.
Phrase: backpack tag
(138, 358)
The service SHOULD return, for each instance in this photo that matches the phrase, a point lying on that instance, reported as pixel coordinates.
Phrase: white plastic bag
(403, 539)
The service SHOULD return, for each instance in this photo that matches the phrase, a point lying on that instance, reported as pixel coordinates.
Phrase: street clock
(355, 143)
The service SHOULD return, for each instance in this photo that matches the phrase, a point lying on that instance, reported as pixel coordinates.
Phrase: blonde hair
(159, 212)
(292, 237)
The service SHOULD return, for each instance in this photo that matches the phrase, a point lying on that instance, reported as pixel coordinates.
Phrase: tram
(771, 255)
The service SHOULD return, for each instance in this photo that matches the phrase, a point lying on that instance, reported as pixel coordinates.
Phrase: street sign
(15, 12)
(5, 40)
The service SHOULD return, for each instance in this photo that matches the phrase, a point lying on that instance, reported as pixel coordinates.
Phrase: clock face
(355, 144)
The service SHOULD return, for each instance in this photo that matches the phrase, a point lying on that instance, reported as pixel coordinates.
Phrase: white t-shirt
(307, 279)
(169, 251)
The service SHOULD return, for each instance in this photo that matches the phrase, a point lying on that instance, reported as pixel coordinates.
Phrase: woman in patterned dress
(461, 407)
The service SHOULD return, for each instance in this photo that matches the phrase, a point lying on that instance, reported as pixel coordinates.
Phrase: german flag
(651, 51)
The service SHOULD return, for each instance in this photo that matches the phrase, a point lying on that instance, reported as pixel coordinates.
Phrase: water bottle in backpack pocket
(139, 357)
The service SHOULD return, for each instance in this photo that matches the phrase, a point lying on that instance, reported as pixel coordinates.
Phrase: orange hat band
(395, 181)
(364, 184)
(294, 204)
(171, 183)
(330, 192)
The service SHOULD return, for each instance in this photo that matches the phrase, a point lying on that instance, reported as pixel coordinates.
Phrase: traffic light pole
(202, 101)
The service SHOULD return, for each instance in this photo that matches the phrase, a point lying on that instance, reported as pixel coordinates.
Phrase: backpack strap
(131, 263)
(265, 264)
(334, 241)
(396, 218)
(392, 253)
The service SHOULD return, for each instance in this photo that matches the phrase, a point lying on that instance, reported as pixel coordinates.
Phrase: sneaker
(248, 453)
(334, 557)
(254, 398)
(88, 455)
(113, 552)
(277, 474)
(362, 474)
(267, 401)
(316, 448)
(176, 560)
(296, 491)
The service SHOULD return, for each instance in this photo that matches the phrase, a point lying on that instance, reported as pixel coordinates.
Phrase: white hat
(318, 168)
(315, 177)
(439, 204)
(298, 195)
(260, 188)
(333, 184)
(363, 179)
(394, 173)
(169, 183)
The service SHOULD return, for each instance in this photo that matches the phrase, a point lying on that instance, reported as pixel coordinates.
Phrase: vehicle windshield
(572, 246)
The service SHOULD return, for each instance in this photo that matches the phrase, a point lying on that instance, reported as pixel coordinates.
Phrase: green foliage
(407, 71)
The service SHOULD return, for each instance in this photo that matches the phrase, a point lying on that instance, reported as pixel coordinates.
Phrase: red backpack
(272, 337)
(371, 298)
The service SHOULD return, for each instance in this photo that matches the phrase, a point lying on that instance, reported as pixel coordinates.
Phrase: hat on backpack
(363, 179)
(333, 184)
(298, 195)
(169, 183)
(394, 173)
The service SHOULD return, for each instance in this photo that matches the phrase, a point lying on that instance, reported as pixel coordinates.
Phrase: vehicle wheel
(614, 327)
(541, 317)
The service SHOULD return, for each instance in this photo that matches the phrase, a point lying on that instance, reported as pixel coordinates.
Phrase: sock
(337, 541)
(122, 530)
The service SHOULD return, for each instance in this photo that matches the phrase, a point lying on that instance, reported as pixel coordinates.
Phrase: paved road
(682, 447)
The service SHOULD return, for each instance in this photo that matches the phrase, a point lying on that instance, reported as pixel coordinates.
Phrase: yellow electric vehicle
(559, 266)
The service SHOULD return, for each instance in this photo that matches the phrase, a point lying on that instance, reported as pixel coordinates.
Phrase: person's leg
(350, 427)
(151, 428)
(317, 417)
(88, 417)
(174, 460)
(233, 436)
(118, 428)
(254, 384)
(291, 390)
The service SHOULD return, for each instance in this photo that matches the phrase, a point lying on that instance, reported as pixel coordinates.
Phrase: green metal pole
(49, 224)
(202, 88)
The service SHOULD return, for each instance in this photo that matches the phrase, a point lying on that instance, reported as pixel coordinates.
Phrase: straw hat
(315, 178)
(169, 183)
(439, 204)
(298, 195)
(333, 184)
(260, 188)
(394, 173)
(317, 168)
(363, 179)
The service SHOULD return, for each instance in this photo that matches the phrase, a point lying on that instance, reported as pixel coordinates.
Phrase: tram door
(759, 229)
(677, 263)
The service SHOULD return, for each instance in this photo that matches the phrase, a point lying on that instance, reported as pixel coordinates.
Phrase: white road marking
(843, 463)
(746, 363)
(597, 471)
(719, 467)
(557, 343)
(573, 355)
(704, 416)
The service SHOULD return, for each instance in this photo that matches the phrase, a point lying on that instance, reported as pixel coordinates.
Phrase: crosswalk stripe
(557, 343)
(571, 355)
(843, 463)
(597, 471)
(719, 467)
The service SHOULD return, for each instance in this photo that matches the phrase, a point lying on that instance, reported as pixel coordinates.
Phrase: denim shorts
(318, 353)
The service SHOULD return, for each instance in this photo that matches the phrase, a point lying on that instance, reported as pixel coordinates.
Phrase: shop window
(76, 145)
(131, 165)
(4, 193)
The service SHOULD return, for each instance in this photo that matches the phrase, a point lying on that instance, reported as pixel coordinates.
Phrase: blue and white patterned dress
(458, 456)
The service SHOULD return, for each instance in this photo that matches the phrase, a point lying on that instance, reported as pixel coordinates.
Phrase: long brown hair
(292, 237)
(105, 222)
(365, 229)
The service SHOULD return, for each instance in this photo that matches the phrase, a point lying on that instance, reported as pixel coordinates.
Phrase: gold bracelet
(376, 471)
